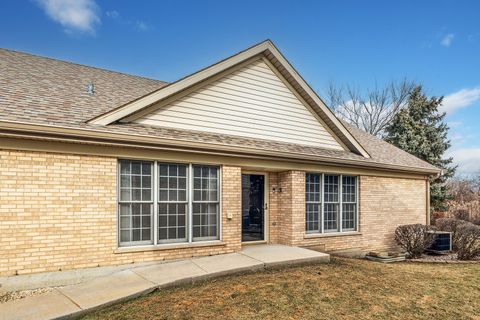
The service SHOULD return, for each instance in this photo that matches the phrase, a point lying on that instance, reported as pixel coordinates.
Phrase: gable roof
(42, 98)
(277, 60)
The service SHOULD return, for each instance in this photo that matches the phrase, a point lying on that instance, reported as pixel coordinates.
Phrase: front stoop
(74, 300)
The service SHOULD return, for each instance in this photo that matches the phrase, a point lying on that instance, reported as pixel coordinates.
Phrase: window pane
(330, 219)
(313, 216)
(146, 169)
(125, 181)
(349, 189)
(125, 167)
(205, 183)
(331, 188)
(146, 182)
(348, 216)
(312, 187)
(171, 220)
(136, 167)
(125, 195)
(172, 182)
(205, 220)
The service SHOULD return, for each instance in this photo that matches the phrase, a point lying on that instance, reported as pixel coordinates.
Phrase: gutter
(100, 137)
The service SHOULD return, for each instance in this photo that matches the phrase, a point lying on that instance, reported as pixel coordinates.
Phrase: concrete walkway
(75, 300)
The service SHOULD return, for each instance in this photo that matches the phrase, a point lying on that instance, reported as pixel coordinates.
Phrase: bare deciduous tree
(464, 188)
(372, 110)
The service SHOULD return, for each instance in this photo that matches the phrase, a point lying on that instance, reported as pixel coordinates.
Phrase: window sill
(331, 234)
(169, 246)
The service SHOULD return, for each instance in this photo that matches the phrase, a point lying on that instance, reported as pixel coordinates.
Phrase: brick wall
(273, 208)
(385, 203)
(59, 212)
(291, 208)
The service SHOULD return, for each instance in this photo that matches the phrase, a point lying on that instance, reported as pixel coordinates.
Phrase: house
(102, 168)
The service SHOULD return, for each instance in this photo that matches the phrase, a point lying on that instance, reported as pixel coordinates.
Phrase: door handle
(265, 207)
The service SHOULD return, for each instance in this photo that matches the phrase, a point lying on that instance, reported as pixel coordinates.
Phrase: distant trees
(372, 110)
(465, 188)
(403, 115)
(419, 129)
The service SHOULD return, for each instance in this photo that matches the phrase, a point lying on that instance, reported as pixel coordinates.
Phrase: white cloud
(113, 14)
(467, 159)
(460, 99)
(142, 26)
(447, 40)
(73, 15)
(137, 24)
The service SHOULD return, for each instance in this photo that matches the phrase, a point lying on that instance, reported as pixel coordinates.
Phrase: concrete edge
(83, 312)
(155, 287)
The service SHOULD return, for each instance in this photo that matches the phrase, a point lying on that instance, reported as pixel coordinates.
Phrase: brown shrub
(468, 241)
(414, 238)
(475, 220)
(462, 214)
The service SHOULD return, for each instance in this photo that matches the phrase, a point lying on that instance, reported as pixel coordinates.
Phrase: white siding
(251, 102)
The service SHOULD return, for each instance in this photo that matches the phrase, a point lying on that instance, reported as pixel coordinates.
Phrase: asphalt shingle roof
(39, 90)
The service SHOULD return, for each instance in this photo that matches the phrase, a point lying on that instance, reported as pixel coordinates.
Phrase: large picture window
(166, 202)
(331, 203)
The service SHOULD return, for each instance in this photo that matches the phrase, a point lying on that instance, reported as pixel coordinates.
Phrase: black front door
(253, 199)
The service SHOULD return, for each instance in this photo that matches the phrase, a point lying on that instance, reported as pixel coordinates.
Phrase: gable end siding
(251, 102)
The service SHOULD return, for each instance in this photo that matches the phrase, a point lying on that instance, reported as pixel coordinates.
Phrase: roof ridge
(82, 65)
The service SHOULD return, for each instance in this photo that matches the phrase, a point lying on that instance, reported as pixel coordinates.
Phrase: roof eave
(91, 136)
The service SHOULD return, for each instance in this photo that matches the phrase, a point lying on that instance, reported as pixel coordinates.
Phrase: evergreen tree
(420, 130)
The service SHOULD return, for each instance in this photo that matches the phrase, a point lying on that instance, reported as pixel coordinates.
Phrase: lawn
(343, 289)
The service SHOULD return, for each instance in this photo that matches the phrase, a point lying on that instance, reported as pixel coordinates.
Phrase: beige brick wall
(58, 212)
(291, 208)
(385, 203)
(273, 208)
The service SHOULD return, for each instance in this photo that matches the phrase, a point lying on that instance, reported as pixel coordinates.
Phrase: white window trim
(156, 243)
(339, 231)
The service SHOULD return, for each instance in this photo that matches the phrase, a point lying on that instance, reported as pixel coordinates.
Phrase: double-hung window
(331, 203)
(205, 203)
(172, 203)
(167, 203)
(136, 202)
(313, 199)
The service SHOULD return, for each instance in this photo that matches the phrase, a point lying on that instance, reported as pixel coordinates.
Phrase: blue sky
(436, 43)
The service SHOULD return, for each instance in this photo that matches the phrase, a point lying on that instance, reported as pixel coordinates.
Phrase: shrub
(414, 238)
(475, 220)
(450, 225)
(462, 214)
(468, 241)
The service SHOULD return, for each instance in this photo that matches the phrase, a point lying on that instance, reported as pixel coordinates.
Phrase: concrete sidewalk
(75, 300)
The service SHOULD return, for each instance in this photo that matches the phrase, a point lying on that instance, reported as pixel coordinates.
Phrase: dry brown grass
(343, 289)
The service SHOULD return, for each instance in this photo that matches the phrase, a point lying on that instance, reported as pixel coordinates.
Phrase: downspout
(427, 182)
